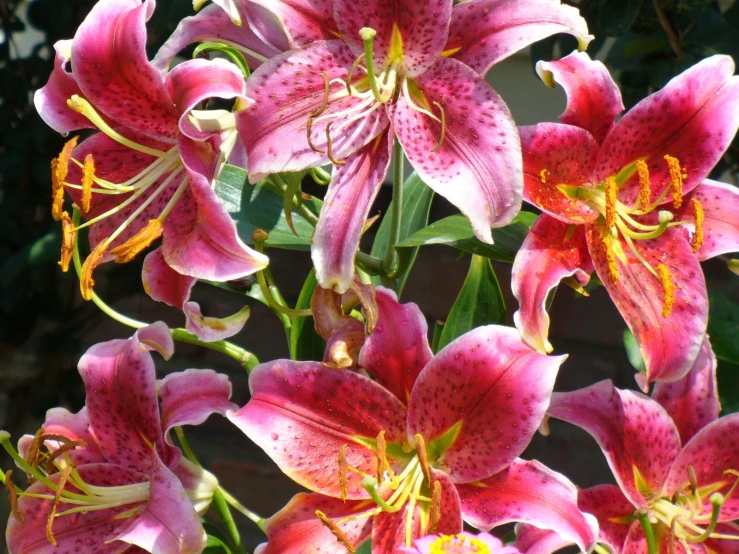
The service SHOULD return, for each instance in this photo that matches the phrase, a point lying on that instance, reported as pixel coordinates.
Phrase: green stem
(648, 532)
(186, 446)
(236, 505)
(370, 264)
(303, 210)
(224, 513)
(390, 262)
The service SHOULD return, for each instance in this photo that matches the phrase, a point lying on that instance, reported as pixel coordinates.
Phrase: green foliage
(723, 326)
(305, 342)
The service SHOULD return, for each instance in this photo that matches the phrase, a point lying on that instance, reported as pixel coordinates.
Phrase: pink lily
(428, 441)
(676, 463)
(112, 478)
(462, 543)
(631, 201)
(405, 70)
(148, 172)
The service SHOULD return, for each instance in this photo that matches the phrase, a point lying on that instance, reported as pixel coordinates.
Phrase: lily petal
(720, 203)
(296, 529)
(691, 119)
(484, 32)
(692, 402)
(423, 28)
(347, 204)
(189, 397)
(491, 391)
(634, 432)
(668, 344)
(304, 21)
(60, 421)
(302, 413)
(110, 64)
(344, 334)
(593, 99)
(529, 492)
(477, 165)
(612, 510)
(724, 546)
(397, 349)
(551, 252)
(532, 540)
(555, 154)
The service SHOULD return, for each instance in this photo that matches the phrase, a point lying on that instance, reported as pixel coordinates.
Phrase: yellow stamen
(57, 496)
(59, 172)
(343, 472)
(88, 177)
(92, 261)
(13, 497)
(381, 456)
(611, 189)
(458, 543)
(668, 287)
(543, 174)
(607, 239)
(139, 242)
(422, 459)
(329, 146)
(677, 176)
(336, 531)
(435, 510)
(68, 238)
(699, 217)
(645, 185)
(443, 127)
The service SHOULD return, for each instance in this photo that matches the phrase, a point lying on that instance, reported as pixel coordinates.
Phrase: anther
(92, 261)
(645, 185)
(343, 472)
(351, 73)
(66, 447)
(68, 237)
(676, 176)
(329, 146)
(607, 240)
(443, 127)
(668, 288)
(381, 456)
(543, 175)
(308, 130)
(435, 510)
(422, 459)
(13, 496)
(88, 177)
(33, 451)
(59, 172)
(322, 108)
(127, 251)
(699, 217)
(57, 497)
(611, 189)
(336, 531)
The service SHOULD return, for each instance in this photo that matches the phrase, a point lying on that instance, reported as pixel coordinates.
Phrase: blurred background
(45, 326)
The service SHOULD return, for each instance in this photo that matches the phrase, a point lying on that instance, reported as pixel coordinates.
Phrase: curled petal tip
(544, 74)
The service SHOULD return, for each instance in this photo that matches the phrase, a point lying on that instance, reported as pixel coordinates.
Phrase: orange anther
(127, 251)
(435, 511)
(88, 176)
(668, 288)
(607, 240)
(543, 175)
(57, 497)
(336, 531)
(645, 185)
(68, 237)
(92, 261)
(381, 456)
(343, 472)
(13, 496)
(699, 217)
(422, 459)
(677, 175)
(611, 190)
(59, 172)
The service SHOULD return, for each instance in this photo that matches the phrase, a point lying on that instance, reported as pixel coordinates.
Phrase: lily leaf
(723, 326)
(456, 231)
(260, 206)
(305, 343)
(632, 351)
(480, 302)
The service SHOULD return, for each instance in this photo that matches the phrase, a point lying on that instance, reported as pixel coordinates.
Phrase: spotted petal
(486, 394)
(474, 158)
(612, 510)
(59, 421)
(532, 540)
(304, 21)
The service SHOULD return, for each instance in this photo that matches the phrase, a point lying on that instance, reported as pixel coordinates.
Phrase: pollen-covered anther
(382, 464)
(677, 176)
(59, 172)
(668, 289)
(611, 190)
(127, 251)
(65, 447)
(336, 531)
(699, 217)
(422, 459)
(57, 497)
(456, 544)
(13, 496)
(68, 237)
(343, 473)
(607, 240)
(544, 175)
(92, 261)
(645, 185)
(88, 177)
(329, 146)
(435, 510)
(443, 127)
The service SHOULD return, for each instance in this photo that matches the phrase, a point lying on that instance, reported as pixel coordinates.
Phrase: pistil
(367, 35)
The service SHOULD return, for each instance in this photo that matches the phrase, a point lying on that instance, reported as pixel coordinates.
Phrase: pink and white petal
(83, 533)
(484, 32)
(212, 24)
(669, 344)
(397, 349)
(712, 450)
(59, 421)
(528, 492)
(477, 166)
(122, 403)
(450, 522)
(347, 204)
(304, 21)
(286, 90)
(593, 99)
(301, 413)
(344, 334)
(720, 204)
(296, 529)
(636, 543)
(51, 99)
(423, 28)
(200, 238)
(189, 397)
(692, 402)
(491, 390)
(634, 432)
(532, 540)
(691, 118)
(212, 329)
(168, 524)
(551, 252)
(110, 64)
(612, 510)
(555, 154)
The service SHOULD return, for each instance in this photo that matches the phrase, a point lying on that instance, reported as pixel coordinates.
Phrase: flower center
(458, 544)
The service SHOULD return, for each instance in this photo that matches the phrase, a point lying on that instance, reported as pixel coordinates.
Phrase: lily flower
(148, 172)
(427, 441)
(362, 74)
(110, 477)
(631, 201)
(462, 543)
(676, 463)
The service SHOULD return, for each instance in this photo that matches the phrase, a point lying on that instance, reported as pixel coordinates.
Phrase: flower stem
(224, 513)
(648, 532)
(391, 260)
(189, 454)
(236, 505)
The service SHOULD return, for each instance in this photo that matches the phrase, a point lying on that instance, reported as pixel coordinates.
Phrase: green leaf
(723, 326)
(480, 302)
(633, 352)
(456, 231)
(259, 206)
(216, 546)
(305, 343)
(417, 198)
(365, 548)
(728, 386)
(617, 17)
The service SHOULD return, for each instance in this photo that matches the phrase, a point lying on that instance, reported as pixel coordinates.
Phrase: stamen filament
(443, 127)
